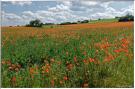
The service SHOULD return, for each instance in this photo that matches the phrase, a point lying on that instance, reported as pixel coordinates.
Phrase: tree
(35, 23)
(85, 21)
(126, 18)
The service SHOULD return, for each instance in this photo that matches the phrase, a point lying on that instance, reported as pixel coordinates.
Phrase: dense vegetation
(35, 23)
(96, 57)
(126, 18)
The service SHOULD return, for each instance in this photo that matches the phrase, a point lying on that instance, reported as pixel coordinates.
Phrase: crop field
(80, 55)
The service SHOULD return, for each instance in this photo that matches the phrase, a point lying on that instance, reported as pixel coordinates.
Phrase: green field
(94, 57)
(104, 20)
(90, 22)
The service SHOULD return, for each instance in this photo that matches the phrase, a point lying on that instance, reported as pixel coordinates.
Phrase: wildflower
(124, 40)
(108, 58)
(13, 66)
(8, 62)
(3, 62)
(52, 83)
(32, 76)
(19, 66)
(117, 50)
(91, 60)
(84, 53)
(75, 59)
(47, 64)
(16, 69)
(124, 45)
(52, 60)
(43, 67)
(96, 51)
(85, 61)
(61, 82)
(85, 85)
(10, 68)
(127, 54)
(47, 70)
(125, 50)
(36, 67)
(59, 62)
(13, 79)
(43, 72)
(65, 78)
(69, 66)
(66, 53)
(31, 70)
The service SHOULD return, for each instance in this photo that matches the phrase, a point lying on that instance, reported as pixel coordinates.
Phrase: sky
(21, 12)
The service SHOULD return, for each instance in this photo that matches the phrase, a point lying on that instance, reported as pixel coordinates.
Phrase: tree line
(38, 23)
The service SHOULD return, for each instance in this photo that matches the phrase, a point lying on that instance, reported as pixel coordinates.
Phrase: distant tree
(126, 18)
(35, 23)
(116, 17)
(78, 21)
(123, 19)
(85, 21)
(74, 23)
(49, 24)
(65, 23)
(99, 19)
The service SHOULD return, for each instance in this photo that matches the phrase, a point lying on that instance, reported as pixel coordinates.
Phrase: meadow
(80, 55)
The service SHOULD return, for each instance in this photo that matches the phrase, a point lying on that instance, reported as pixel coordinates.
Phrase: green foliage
(126, 18)
(35, 23)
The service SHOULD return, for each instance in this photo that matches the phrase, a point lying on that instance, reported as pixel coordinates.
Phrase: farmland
(78, 55)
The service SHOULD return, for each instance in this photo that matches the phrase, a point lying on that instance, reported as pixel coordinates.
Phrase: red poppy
(91, 60)
(65, 78)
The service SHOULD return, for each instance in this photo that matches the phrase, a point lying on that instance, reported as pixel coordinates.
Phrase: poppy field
(73, 56)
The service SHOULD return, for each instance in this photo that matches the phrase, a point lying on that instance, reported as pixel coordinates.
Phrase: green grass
(91, 21)
(104, 20)
(34, 53)
(51, 26)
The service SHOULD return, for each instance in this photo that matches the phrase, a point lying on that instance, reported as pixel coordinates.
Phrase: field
(79, 55)
(104, 20)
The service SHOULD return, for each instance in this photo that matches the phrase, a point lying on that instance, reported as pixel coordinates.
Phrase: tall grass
(82, 58)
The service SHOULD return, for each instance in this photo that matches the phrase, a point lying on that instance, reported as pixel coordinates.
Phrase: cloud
(66, 3)
(10, 17)
(89, 3)
(63, 11)
(21, 3)
(128, 10)
(59, 8)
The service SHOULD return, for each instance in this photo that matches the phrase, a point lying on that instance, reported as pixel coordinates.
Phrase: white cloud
(21, 3)
(59, 8)
(66, 3)
(127, 10)
(89, 3)
(64, 11)
(28, 13)
(10, 17)
(102, 15)
(106, 4)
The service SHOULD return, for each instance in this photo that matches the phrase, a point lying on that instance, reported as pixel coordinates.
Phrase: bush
(35, 23)
(49, 24)
(123, 19)
(126, 18)
(65, 23)
(85, 21)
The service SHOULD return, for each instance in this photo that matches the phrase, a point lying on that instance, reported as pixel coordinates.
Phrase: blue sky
(21, 12)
